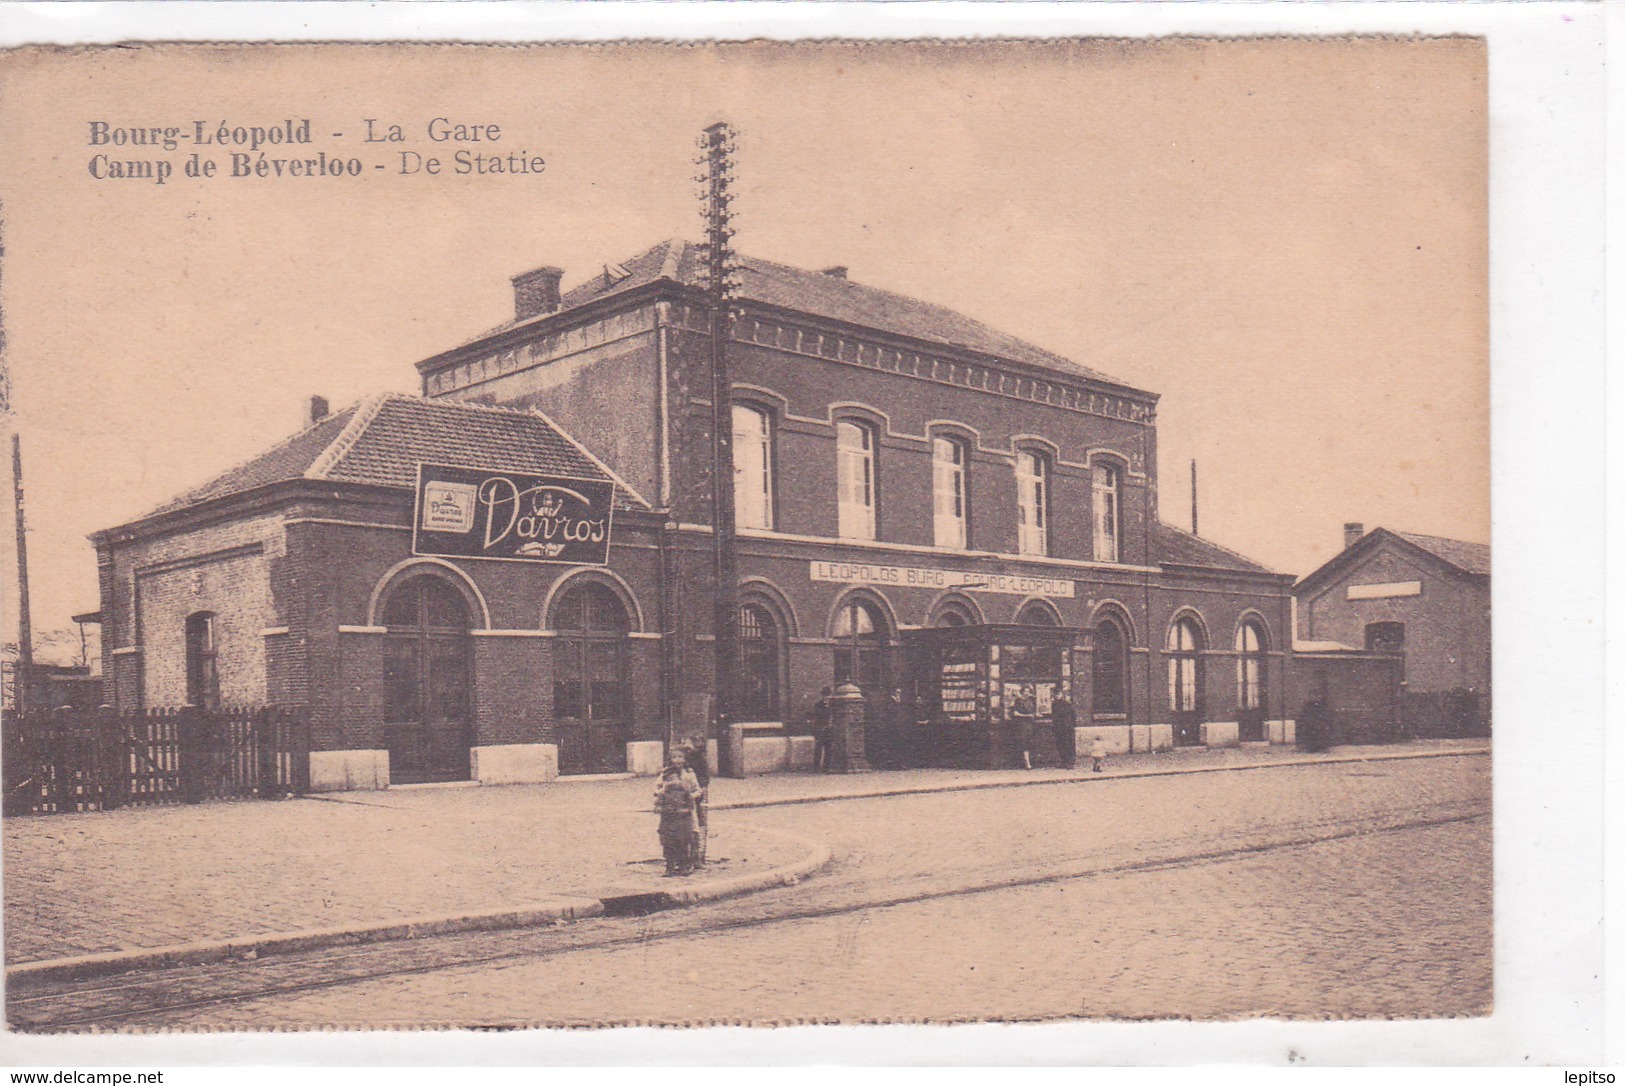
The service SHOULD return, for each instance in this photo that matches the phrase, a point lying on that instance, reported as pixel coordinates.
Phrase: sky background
(1286, 239)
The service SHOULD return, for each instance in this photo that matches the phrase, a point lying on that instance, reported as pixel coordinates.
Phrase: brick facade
(806, 371)
(1447, 624)
(300, 552)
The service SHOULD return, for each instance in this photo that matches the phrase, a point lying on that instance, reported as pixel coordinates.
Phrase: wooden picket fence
(69, 760)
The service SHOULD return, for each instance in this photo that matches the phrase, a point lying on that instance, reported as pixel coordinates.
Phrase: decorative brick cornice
(757, 326)
(992, 376)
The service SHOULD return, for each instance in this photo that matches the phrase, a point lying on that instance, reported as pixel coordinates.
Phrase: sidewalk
(789, 788)
(142, 878)
(466, 857)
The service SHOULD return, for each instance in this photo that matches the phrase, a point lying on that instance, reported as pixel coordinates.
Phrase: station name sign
(925, 577)
(514, 516)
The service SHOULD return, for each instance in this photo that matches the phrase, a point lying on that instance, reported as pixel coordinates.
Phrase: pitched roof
(1176, 547)
(1467, 557)
(381, 440)
(289, 459)
(821, 295)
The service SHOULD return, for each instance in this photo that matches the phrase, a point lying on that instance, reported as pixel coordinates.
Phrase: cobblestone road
(1391, 922)
(150, 877)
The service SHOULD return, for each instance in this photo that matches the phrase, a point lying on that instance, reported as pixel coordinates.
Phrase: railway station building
(508, 577)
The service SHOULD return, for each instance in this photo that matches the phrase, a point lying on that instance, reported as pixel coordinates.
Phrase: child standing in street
(1097, 754)
(676, 795)
(699, 764)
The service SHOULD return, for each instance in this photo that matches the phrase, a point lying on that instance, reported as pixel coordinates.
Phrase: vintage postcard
(754, 533)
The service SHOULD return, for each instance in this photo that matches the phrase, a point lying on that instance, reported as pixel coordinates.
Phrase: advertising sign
(927, 577)
(515, 516)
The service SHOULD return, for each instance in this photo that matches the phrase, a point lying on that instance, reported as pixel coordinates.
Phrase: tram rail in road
(131, 1001)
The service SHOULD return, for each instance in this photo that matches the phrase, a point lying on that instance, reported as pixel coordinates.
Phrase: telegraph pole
(23, 680)
(717, 148)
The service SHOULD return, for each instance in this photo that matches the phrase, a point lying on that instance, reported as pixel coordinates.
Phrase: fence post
(188, 734)
(266, 726)
(61, 787)
(299, 750)
(114, 759)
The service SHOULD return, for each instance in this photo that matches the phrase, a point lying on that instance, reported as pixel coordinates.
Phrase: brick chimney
(836, 271)
(315, 410)
(1352, 531)
(536, 292)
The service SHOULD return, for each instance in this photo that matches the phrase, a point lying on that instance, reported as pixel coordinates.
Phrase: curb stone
(559, 909)
(551, 910)
(1097, 778)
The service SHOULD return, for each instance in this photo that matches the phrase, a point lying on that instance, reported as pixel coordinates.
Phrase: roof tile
(396, 432)
(1467, 557)
(821, 295)
(1177, 547)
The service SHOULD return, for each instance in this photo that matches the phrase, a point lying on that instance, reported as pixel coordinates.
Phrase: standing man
(819, 721)
(1065, 721)
(896, 725)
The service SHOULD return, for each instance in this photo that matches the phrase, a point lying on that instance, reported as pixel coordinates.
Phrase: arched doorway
(591, 696)
(862, 655)
(1251, 676)
(954, 611)
(1185, 643)
(1037, 613)
(1110, 675)
(863, 650)
(427, 711)
(761, 663)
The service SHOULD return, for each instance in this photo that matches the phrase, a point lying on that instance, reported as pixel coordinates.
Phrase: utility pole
(23, 681)
(717, 148)
(23, 678)
(1194, 530)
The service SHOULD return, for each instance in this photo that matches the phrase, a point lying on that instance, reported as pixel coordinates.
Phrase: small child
(675, 795)
(1097, 754)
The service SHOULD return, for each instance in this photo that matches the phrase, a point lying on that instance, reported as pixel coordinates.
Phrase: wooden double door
(427, 706)
(592, 704)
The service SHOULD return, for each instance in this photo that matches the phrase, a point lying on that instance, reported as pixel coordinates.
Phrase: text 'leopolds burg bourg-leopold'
(300, 149)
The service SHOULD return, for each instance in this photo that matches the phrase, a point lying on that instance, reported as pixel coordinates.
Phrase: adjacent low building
(509, 577)
(1421, 597)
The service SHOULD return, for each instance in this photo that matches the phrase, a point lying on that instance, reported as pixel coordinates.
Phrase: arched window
(1107, 487)
(1184, 642)
(591, 702)
(761, 664)
(753, 467)
(1037, 614)
(855, 472)
(426, 680)
(1032, 501)
(1110, 667)
(1250, 662)
(950, 459)
(862, 649)
(202, 662)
